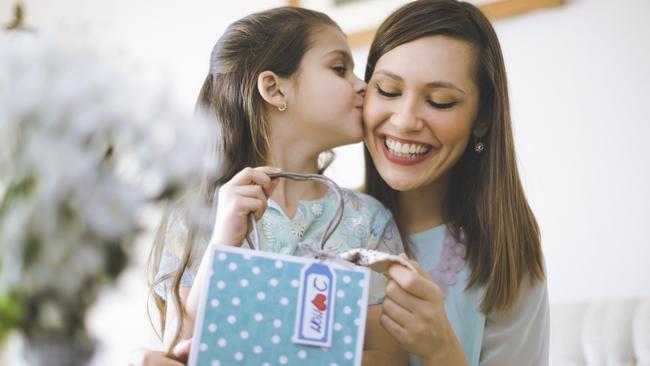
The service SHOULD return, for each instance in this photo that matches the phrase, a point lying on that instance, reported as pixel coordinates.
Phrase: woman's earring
(283, 108)
(479, 146)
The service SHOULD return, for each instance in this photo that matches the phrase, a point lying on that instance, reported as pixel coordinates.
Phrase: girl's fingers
(255, 193)
(267, 170)
(145, 357)
(182, 350)
(247, 205)
(250, 191)
(259, 176)
(274, 183)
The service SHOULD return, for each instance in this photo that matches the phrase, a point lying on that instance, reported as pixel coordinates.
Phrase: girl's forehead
(328, 39)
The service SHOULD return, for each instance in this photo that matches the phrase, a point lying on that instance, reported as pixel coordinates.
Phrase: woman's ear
(481, 128)
(269, 86)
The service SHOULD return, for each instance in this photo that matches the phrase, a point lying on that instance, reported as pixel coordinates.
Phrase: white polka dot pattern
(250, 315)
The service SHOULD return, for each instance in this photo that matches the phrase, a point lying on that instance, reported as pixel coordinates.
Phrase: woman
(440, 155)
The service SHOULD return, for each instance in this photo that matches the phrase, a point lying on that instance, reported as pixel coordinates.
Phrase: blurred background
(579, 78)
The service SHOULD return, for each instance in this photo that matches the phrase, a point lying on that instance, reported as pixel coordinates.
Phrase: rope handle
(333, 224)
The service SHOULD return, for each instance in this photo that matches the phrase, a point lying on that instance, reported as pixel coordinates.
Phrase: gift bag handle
(331, 226)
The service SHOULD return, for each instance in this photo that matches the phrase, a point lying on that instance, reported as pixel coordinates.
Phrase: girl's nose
(360, 86)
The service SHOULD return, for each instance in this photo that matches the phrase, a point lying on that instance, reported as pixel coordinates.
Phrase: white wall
(580, 82)
(579, 79)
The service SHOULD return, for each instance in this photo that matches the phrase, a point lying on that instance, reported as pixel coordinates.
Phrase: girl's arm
(172, 318)
(380, 348)
(414, 313)
(246, 192)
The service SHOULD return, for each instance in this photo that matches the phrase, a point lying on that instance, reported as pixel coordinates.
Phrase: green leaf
(9, 315)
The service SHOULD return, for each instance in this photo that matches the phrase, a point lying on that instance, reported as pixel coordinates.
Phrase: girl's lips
(402, 160)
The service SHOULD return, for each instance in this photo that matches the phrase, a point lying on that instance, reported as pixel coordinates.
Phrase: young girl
(282, 91)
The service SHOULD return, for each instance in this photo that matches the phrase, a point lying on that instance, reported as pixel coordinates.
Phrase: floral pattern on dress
(365, 223)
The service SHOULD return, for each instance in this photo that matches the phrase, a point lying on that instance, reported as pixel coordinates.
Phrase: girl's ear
(269, 86)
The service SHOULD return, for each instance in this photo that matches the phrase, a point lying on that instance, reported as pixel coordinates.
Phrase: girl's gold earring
(283, 108)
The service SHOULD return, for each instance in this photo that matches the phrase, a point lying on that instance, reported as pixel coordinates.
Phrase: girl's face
(419, 110)
(327, 100)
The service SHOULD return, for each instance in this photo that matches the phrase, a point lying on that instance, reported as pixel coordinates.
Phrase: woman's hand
(414, 313)
(146, 357)
(246, 192)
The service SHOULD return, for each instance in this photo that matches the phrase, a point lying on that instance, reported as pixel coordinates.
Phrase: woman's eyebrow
(431, 85)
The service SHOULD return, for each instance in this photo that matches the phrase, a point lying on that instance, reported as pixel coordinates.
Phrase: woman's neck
(421, 209)
(292, 154)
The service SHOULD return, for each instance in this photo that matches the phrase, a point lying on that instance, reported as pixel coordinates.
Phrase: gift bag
(261, 308)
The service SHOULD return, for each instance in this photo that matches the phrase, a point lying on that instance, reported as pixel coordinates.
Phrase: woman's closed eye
(432, 103)
(385, 93)
(441, 105)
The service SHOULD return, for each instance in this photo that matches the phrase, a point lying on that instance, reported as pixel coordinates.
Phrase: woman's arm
(380, 348)
(520, 336)
(414, 314)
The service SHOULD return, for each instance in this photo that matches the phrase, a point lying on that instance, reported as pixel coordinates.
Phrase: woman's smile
(405, 152)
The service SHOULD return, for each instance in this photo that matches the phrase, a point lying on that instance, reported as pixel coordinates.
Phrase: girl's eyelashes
(340, 70)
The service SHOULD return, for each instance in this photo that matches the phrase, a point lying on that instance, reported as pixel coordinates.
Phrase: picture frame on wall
(360, 18)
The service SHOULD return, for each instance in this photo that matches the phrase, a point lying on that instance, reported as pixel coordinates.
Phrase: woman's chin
(400, 181)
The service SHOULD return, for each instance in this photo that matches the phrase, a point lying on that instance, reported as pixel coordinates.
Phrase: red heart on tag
(319, 302)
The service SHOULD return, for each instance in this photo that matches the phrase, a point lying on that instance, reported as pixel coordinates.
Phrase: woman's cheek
(370, 113)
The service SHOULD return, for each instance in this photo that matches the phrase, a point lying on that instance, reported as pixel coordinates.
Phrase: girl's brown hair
(485, 196)
(274, 40)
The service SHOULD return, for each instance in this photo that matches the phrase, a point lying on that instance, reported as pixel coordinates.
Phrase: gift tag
(315, 310)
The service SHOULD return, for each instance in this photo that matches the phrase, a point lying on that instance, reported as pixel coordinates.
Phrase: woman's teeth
(406, 150)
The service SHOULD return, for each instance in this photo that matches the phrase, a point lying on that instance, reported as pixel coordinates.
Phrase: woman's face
(419, 110)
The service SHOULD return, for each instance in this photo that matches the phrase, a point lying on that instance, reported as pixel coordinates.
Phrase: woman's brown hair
(274, 40)
(485, 196)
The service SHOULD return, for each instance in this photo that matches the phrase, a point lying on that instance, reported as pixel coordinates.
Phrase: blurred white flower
(84, 150)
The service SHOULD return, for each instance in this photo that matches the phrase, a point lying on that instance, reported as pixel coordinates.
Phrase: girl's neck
(296, 156)
(421, 209)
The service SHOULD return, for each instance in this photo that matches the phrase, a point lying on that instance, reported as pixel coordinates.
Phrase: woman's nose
(405, 117)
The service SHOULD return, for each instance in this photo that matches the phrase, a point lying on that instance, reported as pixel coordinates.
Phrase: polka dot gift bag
(261, 308)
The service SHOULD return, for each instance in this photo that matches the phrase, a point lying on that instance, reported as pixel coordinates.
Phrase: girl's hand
(414, 313)
(246, 192)
(144, 357)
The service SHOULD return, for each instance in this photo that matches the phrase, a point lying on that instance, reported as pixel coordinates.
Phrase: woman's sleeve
(384, 237)
(520, 336)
